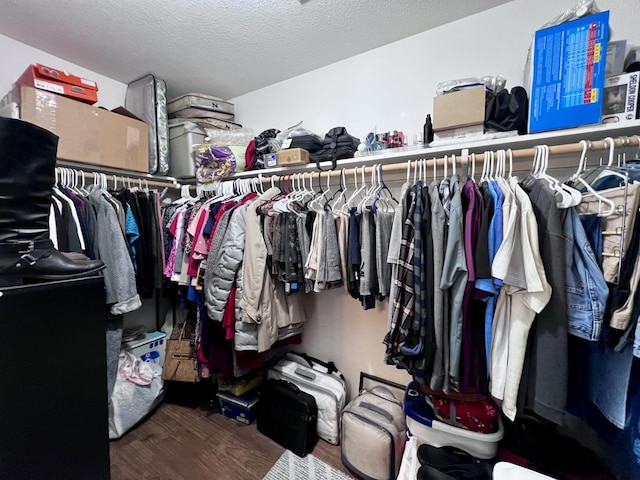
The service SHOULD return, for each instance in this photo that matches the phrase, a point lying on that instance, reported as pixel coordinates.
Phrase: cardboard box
(242, 386)
(293, 156)
(242, 409)
(87, 134)
(620, 102)
(151, 348)
(462, 108)
(568, 72)
(60, 82)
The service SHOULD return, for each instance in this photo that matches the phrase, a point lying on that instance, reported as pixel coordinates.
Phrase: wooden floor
(184, 442)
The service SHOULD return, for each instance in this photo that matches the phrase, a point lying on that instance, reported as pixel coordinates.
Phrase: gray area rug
(291, 467)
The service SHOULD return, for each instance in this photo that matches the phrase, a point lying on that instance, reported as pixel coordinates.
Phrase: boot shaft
(27, 172)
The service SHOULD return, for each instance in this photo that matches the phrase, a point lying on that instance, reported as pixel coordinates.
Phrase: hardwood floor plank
(182, 443)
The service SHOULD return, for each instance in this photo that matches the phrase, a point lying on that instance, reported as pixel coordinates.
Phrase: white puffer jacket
(229, 262)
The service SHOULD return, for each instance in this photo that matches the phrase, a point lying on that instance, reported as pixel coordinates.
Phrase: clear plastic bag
(213, 162)
(582, 9)
(494, 83)
(284, 134)
(234, 140)
(296, 131)
(222, 138)
(131, 402)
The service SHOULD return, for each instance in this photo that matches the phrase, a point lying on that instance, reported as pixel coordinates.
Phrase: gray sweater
(110, 247)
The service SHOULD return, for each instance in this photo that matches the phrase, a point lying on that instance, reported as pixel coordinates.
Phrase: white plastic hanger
(82, 188)
(342, 197)
(592, 174)
(612, 146)
(574, 196)
(315, 204)
(185, 195)
(565, 198)
(578, 179)
(259, 184)
(473, 167)
(464, 163)
(356, 191)
(368, 195)
(483, 175)
(488, 158)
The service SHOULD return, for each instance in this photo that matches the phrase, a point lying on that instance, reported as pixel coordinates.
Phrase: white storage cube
(182, 136)
(151, 348)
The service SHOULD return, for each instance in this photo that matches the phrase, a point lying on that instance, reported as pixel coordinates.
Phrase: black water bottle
(427, 133)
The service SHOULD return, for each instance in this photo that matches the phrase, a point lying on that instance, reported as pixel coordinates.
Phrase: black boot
(27, 170)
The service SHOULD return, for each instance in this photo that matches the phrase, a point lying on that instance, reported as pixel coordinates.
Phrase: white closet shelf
(397, 155)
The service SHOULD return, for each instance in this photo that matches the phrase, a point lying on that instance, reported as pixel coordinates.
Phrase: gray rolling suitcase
(147, 99)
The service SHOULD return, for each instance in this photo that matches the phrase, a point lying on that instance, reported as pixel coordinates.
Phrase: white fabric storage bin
(422, 423)
(181, 138)
(373, 435)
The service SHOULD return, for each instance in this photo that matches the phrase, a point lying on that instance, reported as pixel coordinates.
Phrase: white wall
(16, 56)
(392, 87)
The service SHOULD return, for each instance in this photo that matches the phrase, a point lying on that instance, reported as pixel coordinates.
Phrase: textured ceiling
(221, 47)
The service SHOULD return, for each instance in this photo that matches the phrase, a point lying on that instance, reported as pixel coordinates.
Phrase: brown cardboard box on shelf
(87, 134)
(463, 108)
(293, 156)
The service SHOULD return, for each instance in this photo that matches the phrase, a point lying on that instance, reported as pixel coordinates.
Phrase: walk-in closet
(307, 239)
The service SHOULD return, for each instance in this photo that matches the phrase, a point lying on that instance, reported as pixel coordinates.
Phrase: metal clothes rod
(523, 153)
(120, 179)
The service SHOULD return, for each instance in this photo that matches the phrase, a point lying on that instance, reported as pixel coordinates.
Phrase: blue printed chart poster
(569, 62)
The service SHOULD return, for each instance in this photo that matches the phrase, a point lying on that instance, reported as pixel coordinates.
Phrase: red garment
(194, 263)
(253, 359)
(229, 314)
(475, 416)
(173, 226)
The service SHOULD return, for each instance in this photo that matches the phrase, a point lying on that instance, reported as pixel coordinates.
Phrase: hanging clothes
(472, 374)
(440, 376)
(403, 302)
(546, 392)
(264, 301)
(454, 276)
(110, 246)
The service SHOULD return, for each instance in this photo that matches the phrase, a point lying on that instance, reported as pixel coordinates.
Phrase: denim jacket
(587, 290)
